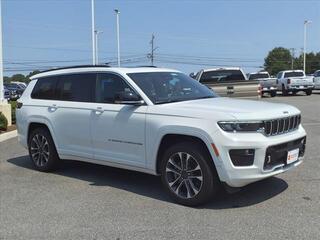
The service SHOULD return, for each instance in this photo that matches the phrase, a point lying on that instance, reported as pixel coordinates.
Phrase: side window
(279, 75)
(44, 88)
(108, 85)
(76, 87)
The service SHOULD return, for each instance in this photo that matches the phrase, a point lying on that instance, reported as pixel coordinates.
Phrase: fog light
(242, 157)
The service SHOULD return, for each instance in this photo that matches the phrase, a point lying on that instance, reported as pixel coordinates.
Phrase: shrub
(3, 122)
(13, 111)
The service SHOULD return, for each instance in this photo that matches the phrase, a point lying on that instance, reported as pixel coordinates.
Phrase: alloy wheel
(40, 150)
(184, 175)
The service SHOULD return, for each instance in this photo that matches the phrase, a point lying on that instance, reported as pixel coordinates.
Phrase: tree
(18, 78)
(278, 59)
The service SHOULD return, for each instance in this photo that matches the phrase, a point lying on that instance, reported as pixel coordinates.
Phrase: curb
(8, 135)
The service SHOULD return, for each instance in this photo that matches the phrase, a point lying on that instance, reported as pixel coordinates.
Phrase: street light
(118, 35)
(96, 33)
(93, 33)
(306, 22)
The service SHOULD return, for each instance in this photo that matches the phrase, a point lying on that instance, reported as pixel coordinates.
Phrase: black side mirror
(129, 98)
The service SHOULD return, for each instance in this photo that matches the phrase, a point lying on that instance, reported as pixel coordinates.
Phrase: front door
(118, 130)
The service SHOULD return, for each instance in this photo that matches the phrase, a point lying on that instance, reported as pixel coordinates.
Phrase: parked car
(7, 93)
(21, 84)
(267, 84)
(157, 121)
(293, 81)
(16, 90)
(230, 82)
(316, 80)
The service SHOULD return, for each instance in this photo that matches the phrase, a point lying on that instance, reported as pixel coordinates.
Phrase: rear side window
(222, 76)
(76, 87)
(45, 88)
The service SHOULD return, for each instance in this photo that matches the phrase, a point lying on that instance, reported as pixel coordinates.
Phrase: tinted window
(44, 88)
(221, 76)
(165, 87)
(76, 87)
(293, 74)
(258, 76)
(108, 85)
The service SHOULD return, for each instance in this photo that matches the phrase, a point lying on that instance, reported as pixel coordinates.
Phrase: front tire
(42, 150)
(309, 92)
(273, 93)
(186, 174)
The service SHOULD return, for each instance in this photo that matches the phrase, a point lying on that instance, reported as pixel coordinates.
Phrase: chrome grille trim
(281, 125)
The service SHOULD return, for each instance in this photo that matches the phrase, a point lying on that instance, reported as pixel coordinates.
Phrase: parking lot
(87, 201)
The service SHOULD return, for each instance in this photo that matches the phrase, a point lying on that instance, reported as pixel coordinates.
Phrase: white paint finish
(129, 136)
(119, 133)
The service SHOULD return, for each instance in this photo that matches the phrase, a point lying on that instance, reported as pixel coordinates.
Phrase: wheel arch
(171, 138)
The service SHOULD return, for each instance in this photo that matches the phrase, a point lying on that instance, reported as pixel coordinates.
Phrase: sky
(189, 35)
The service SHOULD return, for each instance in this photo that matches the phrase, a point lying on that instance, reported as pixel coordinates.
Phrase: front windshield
(258, 76)
(165, 87)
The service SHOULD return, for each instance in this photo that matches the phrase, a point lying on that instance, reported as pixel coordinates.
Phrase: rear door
(71, 114)
(118, 130)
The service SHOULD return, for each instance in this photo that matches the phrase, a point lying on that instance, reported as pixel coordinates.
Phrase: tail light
(260, 90)
(289, 81)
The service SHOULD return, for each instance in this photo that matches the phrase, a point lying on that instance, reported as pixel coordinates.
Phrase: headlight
(255, 126)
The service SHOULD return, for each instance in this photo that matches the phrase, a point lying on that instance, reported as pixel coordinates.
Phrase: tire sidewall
(53, 156)
(209, 184)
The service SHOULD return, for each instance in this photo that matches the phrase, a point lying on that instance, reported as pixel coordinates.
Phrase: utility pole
(306, 22)
(151, 55)
(94, 57)
(292, 57)
(1, 59)
(118, 35)
(96, 34)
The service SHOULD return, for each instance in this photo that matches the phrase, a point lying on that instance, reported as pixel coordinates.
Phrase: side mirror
(128, 98)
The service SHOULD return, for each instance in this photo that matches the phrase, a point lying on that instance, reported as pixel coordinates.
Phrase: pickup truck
(316, 80)
(228, 82)
(294, 81)
(267, 84)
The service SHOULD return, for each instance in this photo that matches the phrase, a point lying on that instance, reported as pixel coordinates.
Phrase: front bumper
(239, 176)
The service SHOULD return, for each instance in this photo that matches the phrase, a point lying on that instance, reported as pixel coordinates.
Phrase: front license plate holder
(292, 156)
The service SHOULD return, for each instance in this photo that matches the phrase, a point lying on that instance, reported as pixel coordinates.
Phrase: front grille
(277, 155)
(281, 125)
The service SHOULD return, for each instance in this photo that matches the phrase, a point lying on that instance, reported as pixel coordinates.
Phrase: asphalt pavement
(87, 201)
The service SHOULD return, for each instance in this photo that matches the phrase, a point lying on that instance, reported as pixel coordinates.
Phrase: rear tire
(308, 92)
(42, 150)
(273, 93)
(187, 174)
(284, 91)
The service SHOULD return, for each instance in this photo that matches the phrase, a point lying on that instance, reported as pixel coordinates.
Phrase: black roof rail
(76, 66)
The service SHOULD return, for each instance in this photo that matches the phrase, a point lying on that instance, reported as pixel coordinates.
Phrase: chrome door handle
(98, 111)
(53, 108)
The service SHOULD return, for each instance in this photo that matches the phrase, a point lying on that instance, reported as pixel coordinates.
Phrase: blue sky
(190, 34)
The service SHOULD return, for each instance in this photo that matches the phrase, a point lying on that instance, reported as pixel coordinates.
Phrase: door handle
(98, 111)
(53, 108)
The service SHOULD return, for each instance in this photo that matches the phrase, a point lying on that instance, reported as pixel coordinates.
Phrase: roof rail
(76, 66)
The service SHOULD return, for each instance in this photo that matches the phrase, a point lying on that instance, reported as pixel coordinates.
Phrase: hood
(229, 108)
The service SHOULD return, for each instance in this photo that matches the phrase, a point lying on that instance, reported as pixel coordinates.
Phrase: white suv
(157, 121)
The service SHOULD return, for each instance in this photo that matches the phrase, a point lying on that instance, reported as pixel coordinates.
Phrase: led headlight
(252, 126)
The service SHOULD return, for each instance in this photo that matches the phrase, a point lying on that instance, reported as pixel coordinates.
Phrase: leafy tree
(18, 78)
(278, 59)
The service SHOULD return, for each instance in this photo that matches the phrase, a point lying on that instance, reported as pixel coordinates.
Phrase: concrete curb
(8, 135)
